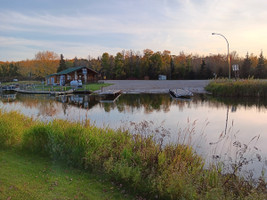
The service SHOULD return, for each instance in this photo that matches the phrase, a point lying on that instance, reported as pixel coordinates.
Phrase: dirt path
(156, 86)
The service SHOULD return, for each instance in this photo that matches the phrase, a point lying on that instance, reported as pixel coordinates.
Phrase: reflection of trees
(247, 102)
(135, 102)
(131, 103)
(44, 103)
(49, 108)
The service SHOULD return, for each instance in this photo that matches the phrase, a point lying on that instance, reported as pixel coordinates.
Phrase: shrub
(238, 88)
(174, 171)
(12, 126)
(36, 138)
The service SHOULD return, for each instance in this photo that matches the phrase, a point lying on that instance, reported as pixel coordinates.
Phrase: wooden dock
(110, 92)
(56, 93)
(109, 96)
(180, 93)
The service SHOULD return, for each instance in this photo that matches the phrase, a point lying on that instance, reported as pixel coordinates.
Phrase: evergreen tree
(62, 64)
(246, 67)
(260, 70)
(202, 72)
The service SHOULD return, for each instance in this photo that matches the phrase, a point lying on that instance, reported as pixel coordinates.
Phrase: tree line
(136, 65)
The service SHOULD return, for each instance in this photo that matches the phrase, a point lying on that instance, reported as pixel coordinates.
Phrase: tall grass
(136, 161)
(12, 127)
(238, 88)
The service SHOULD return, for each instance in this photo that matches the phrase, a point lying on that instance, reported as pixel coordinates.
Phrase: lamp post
(228, 57)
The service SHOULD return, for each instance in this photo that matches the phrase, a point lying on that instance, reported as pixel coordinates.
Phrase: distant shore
(156, 86)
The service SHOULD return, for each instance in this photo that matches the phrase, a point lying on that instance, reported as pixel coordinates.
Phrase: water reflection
(81, 101)
(8, 97)
(214, 124)
(135, 102)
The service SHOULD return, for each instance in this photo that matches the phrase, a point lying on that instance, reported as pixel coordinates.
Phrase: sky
(83, 28)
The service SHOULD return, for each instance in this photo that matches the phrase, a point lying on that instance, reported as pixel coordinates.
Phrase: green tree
(155, 65)
(119, 66)
(105, 64)
(202, 72)
(62, 64)
(246, 67)
(260, 71)
(166, 63)
(13, 70)
(145, 63)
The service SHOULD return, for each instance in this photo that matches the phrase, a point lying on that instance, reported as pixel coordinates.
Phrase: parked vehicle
(76, 83)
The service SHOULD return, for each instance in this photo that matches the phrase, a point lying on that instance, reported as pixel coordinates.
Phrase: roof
(69, 70)
(50, 75)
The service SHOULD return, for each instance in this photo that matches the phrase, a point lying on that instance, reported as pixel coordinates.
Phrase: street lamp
(228, 57)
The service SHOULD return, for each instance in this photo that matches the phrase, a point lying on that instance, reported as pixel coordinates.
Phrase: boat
(180, 93)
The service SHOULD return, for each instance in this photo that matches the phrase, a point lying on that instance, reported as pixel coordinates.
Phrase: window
(84, 71)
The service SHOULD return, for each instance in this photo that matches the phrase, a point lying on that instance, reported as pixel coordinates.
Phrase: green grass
(137, 162)
(90, 86)
(238, 88)
(94, 86)
(22, 82)
(25, 176)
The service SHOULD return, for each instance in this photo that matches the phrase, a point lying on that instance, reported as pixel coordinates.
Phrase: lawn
(26, 176)
(38, 86)
(94, 86)
(90, 86)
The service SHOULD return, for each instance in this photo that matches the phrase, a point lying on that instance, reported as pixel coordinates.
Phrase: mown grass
(136, 161)
(28, 176)
(238, 88)
(40, 87)
(21, 82)
(94, 86)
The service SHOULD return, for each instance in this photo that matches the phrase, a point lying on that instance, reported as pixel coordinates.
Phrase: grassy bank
(31, 177)
(137, 162)
(91, 86)
(238, 88)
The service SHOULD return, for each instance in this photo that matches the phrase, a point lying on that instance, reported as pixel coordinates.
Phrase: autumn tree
(95, 64)
(145, 63)
(107, 64)
(46, 62)
(166, 63)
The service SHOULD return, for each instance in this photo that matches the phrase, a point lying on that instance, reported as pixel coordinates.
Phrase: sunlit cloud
(174, 25)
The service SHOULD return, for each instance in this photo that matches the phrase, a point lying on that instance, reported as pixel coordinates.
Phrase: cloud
(176, 25)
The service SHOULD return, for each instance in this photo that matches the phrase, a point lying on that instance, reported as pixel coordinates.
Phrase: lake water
(217, 129)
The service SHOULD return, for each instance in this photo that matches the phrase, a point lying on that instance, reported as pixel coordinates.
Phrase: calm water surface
(215, 128)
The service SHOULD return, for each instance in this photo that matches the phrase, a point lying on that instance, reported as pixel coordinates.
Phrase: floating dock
(109, 95)
(56, 93)
(180, 93)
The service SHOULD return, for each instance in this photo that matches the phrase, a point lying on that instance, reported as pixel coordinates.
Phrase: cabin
(85, 74)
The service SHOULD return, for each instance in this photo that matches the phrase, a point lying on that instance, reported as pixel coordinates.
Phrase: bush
(12, 127)
(238, 88)
(36, 138)
(174, 171)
